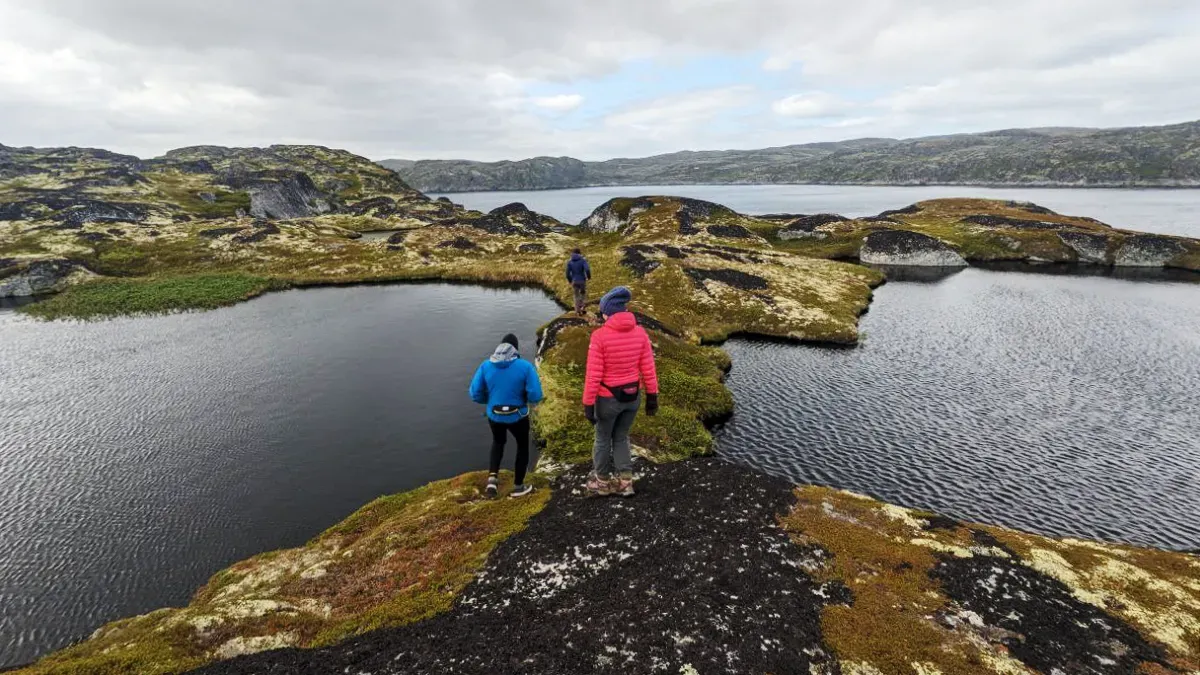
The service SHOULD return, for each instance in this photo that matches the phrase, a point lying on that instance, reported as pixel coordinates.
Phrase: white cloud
(446, 78)
(811, 104)
(680, 111)
(559, 103)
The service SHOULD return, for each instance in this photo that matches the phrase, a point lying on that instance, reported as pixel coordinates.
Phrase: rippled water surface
(139, 456)
(1065, 405)
(1163, 211)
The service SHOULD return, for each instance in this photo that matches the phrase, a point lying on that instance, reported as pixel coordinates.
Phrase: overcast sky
(508, 79)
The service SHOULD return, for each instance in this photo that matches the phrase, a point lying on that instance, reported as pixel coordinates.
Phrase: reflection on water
(1065, 405)
(139, 456)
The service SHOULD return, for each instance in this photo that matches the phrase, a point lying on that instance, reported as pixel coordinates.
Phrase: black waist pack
(625, 393)
(504, 410)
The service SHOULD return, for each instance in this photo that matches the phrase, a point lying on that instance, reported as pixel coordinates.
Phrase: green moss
(184, 190)
(28, 244)
(113, 297)
(399, 559)
(690, 379)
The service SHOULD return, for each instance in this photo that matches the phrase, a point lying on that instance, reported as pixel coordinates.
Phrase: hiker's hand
(589, 411)
(651, 404)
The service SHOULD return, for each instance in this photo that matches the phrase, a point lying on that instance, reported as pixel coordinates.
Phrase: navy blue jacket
(578, 269)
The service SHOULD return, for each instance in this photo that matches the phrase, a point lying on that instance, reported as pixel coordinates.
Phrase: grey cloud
(444, 78)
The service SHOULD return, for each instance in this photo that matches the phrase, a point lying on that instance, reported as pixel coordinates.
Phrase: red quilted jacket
(620, 353)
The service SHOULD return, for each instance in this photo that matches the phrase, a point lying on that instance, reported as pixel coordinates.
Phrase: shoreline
(989, 186)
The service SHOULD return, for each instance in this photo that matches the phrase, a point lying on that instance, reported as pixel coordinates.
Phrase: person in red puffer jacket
(620, 362)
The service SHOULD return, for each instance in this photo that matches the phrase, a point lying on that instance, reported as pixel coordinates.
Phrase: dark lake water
(139, 456)
(1162, 211)
(1064, 405)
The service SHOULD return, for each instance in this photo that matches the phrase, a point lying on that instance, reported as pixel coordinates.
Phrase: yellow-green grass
(117, 297)
(692, 394)
(399, 559)
(885, 555)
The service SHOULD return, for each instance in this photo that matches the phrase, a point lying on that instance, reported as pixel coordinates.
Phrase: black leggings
(520, 431)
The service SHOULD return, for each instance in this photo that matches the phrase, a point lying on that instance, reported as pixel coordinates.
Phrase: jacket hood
(504, 355)
(622, 321)
(576, 256)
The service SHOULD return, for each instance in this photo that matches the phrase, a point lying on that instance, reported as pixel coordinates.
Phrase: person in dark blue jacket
(507, 385)
(579, 272)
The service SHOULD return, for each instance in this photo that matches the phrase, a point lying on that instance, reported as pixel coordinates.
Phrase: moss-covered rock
(987, 231)
(931, 594)
(397, 560)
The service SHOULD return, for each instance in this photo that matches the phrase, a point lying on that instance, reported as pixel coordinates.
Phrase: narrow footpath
(694, 574)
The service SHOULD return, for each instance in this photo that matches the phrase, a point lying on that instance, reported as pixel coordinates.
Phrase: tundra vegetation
(101, 235)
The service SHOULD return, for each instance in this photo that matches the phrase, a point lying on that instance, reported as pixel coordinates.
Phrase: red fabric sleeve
(649, 373)
(595, 369)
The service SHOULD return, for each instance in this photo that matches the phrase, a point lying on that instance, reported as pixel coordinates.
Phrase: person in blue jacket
(507, 385)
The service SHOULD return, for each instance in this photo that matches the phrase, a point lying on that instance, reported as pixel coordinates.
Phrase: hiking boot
(599, 486)
(520, 491)
(624, 485)
(492, 488)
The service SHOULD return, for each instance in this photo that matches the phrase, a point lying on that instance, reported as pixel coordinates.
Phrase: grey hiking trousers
(612, 453)
(580, 295)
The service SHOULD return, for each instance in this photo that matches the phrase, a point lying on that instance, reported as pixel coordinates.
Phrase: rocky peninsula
(712, 568)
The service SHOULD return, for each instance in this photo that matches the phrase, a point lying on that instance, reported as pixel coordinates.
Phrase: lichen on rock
(903, 247)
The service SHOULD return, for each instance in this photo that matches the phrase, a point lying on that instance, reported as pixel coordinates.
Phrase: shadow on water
(933, 275)
(14, 303)
(916, 274)
(1153, 274)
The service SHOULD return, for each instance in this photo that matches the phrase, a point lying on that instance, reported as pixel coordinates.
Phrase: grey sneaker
(520, 491)
(492, 487)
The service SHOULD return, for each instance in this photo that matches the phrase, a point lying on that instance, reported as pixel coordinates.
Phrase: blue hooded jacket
(506, 380)
(578, 269)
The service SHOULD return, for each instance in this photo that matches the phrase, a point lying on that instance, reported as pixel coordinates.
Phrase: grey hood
(504, 354)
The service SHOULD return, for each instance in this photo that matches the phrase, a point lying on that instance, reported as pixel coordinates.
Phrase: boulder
(281, 194)
(1088, 247)
(1147, 250)
(988, 220)
(616, 215)
(21, 279)
(806, 226)
(730, 232)
(72, 210)
(901, 247)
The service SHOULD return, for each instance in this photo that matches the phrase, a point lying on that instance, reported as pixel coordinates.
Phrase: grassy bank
(155, 295)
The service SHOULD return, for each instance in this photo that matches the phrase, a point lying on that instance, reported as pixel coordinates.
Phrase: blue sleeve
(587, 269)
(479, 392)
(533, 385)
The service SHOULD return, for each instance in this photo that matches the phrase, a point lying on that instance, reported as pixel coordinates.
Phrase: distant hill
(1167, 156)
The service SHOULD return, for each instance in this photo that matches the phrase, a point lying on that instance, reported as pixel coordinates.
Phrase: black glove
(651, 404)
(589, 411)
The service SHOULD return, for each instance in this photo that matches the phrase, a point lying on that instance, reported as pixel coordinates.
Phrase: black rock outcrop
(901, 247)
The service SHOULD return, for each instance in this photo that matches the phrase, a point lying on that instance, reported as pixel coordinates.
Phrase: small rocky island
(712, 568)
